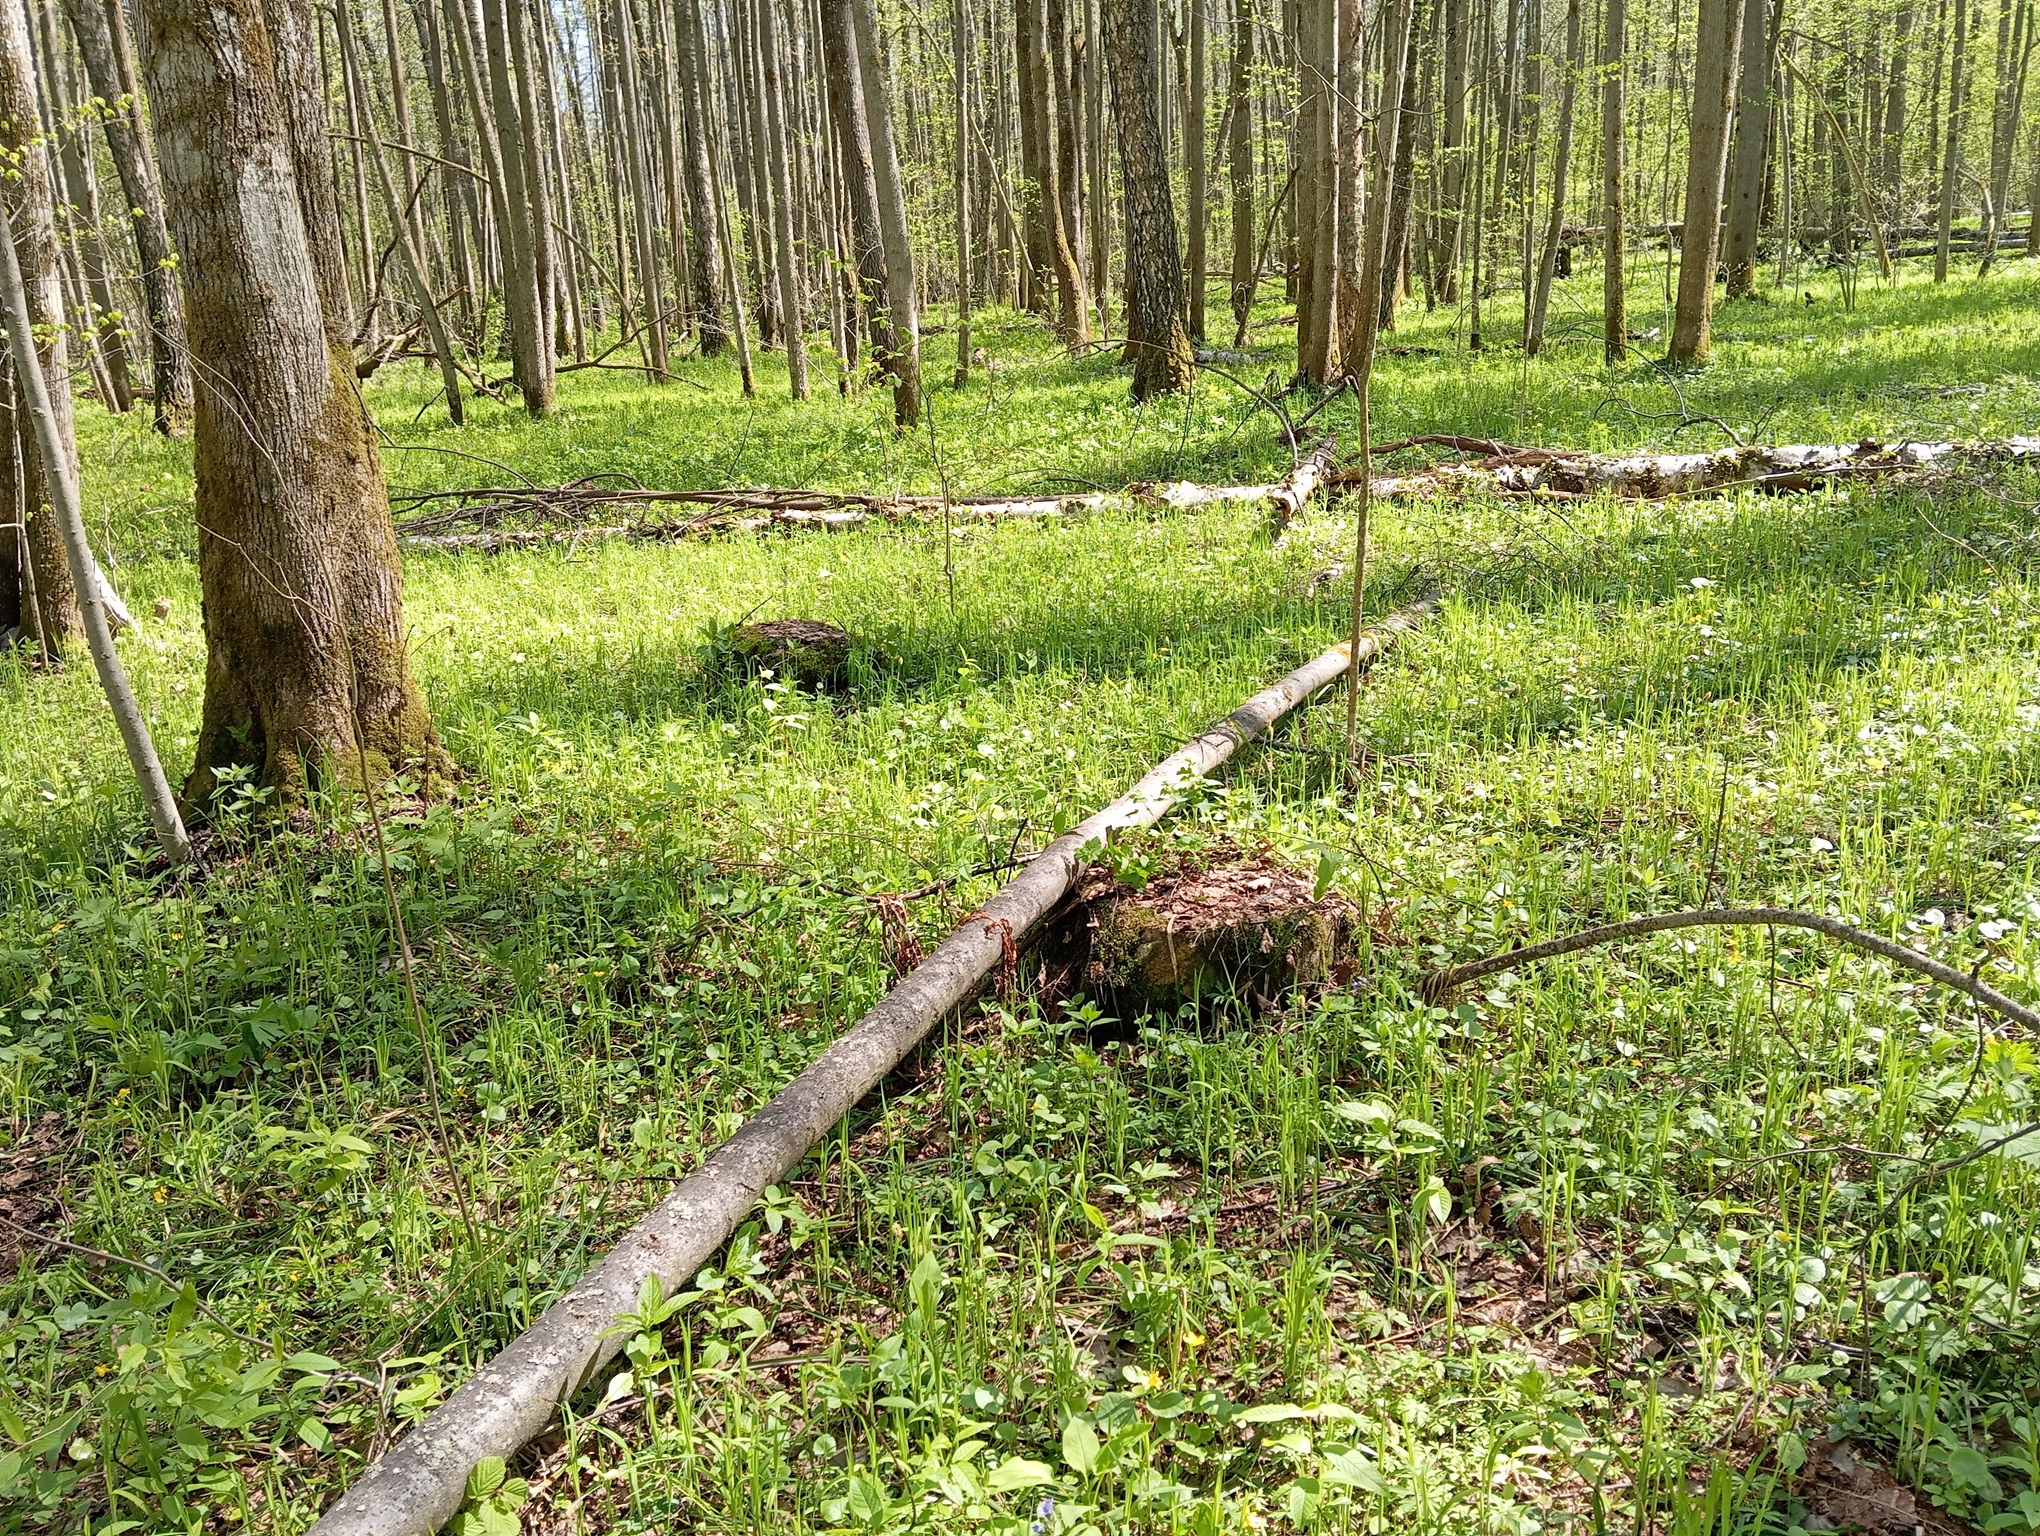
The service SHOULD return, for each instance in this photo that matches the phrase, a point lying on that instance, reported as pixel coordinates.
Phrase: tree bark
(1763, 25)
(1157, 344)
(109, 71)
(1239, 102)
(1561, 168)
(1717, 49)
(961, 43)
(905, 356)
(1614, 193)
(704, 258)
(31, 208)
(1048, 237)
(1069, 174)
(524, 308)
(1194, 168)
(1951, 157)
(306, 671)
(778, 153)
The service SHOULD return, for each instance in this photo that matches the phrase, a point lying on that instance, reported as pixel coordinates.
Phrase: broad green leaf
(486, 1478)
(1080, 1446)
(1016, 1472)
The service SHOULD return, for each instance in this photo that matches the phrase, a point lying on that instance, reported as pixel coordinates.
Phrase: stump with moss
(811, 652)
(1251, 929)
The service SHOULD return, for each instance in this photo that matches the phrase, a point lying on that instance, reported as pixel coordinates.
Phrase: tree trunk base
(810, 652)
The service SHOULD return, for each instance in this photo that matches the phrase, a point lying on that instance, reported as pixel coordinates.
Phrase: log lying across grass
(417, 1486)
(573, 510)
(1498, 467)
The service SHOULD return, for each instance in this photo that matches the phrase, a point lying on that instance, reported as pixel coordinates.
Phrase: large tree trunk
(110, 71)
(1049, 237)
(306, 673)
(1158, 345)
(1317, 194)
(1762, 26)
(1194, 167)
(524, 308)
(1718, 46)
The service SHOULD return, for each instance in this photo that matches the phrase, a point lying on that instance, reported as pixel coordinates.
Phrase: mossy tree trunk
(306, 669)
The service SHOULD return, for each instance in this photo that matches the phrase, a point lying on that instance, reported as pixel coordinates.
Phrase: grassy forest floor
(1622, 1242)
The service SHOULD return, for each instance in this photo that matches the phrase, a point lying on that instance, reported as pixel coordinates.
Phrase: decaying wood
(752, 511)
(417, 1485)
(1288, 499)
(1646, 476)
(1442, 983)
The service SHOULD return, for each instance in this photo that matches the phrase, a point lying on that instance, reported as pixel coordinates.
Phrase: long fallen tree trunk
(417, 1486)
(569, 508)
(1647, 476)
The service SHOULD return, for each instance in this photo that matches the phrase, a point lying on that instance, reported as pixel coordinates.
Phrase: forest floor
(1650, 1237)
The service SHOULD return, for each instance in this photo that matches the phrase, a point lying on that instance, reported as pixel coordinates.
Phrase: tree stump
(810, 652)
(1248, 929)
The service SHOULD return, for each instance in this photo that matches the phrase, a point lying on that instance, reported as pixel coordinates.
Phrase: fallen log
(417, 1485)
(1441, 984)
(1650, 476)
(733, 511)
(1288, 499)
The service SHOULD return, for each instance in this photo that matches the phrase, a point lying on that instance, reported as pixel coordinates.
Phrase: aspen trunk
(1718, 49)
(306, 669)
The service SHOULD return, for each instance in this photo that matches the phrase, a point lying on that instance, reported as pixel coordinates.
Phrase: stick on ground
(1443, 983)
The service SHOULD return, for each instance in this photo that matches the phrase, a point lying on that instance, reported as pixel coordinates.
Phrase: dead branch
(1440, 984)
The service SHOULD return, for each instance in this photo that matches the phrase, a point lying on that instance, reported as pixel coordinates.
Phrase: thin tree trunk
(53, 439)
(1717, 51)
(524, 309)
(408, 253)
(1452, 149)
(58, 621)
(1951, 157)
(1763, 25)
(780, 165)
(1561, 167)
(1402, 185)
(704, 239)
(892, 218)
(1239, 103)
(1047, 229)
(1194, 169)
(1158, 345)
(306, 674)
(960, 25)
(1614, 192)
(100, 30)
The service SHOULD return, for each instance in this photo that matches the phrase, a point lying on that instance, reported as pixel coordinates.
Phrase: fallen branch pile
(417, 1485)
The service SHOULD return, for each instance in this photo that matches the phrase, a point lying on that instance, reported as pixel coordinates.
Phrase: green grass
(1591, 1246)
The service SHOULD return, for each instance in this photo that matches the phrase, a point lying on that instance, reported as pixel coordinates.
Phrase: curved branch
(1441, 983)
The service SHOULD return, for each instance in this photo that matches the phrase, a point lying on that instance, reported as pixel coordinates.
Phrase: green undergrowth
(1621, 1242)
